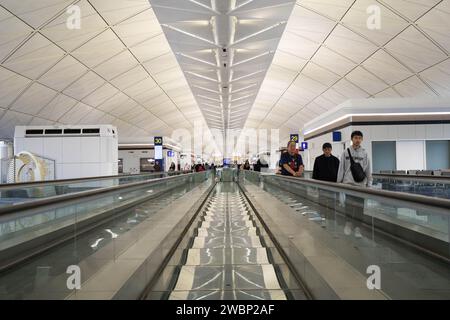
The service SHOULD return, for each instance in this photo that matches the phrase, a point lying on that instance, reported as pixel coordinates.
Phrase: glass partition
(409, 241)
(431, 188)
(82, 227)
(24, 193)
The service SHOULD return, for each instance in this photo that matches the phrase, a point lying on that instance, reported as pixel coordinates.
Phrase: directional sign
(158, 148)
(337, 136)
(294, 137)
(304, 145)
(158, 141)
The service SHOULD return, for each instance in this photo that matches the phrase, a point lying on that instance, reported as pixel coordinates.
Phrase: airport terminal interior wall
(131, 159)
(376, 133)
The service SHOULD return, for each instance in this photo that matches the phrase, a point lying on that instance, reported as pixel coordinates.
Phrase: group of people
(199, 167)
(329, 168)
(353, 168)
(256, 167)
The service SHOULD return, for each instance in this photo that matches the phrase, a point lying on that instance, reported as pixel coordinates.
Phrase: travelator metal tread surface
(227, 258)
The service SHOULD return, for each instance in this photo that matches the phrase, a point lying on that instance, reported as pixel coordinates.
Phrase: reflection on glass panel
(407, 240)
(111, 218)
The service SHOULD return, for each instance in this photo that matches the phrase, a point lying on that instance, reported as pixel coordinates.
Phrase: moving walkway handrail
(83, 194)
(12, 186)
(408, 197)
(425, 178)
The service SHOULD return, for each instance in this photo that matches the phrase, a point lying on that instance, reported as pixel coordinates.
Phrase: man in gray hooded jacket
(359, 154)
(354, 206)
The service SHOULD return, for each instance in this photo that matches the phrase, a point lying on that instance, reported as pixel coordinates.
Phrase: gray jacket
(344, 172)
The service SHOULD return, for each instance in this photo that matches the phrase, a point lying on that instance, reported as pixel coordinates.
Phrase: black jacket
(326, 168)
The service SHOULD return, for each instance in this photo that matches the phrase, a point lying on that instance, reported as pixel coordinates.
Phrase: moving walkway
(227, 255)
(13, 193)
(340, 229)
(256, 237)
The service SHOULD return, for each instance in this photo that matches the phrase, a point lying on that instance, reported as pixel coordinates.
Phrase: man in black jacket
(326, 166)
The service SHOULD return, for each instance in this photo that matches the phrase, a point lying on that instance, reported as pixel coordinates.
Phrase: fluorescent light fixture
(215, 120)
(240, 6)
(248, 75)
(204, 6)
(245, 88)
(253, 58)
(236, 120)
(219, 76)
(240, 105)
(259, 32)
(206, 89)
(239, 112)
(201, 76)
(212, 111)
(217, 54)
(213, 116)
(243, 97)
(374, 115)
(207, 98)
(217, 123)
(211, 105)
(196, 59)
(233, 29)
(188, 33)
(214, 31)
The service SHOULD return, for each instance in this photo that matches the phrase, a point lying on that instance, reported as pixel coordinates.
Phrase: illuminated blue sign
(304, 145)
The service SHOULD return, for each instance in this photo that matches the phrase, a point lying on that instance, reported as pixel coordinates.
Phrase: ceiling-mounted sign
(304, 145)
(158, 141)
(337, 136)
(294, 137)
(170, 153)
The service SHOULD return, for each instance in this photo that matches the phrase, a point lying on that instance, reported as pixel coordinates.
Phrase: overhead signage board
(158, 141)
(294, 137)
(304, 145)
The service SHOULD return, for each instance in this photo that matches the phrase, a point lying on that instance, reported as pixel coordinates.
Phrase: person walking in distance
(354, 169)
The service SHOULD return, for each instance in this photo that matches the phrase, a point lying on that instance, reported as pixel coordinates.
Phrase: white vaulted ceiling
(122, 67)
(225, 48)
(116, 69)
(328, 55)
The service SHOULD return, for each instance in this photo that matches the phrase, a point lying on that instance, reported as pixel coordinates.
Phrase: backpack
(356, 169)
